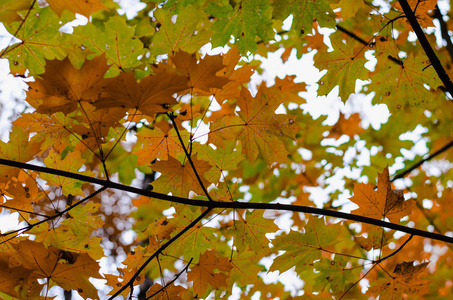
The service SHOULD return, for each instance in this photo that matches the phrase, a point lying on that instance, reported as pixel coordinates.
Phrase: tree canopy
(148, 166)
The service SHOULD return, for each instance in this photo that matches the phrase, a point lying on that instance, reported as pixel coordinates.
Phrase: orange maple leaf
(210, 270)
(179, 178)
(158, 143)
(385, 202)
(405, 280)
(350, 126)
(62, 86)
(420, 9)
(259, 128)
(202, 75)
(151, 95)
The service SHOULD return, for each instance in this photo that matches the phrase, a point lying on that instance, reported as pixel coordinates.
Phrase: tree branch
(48, 218)
(235, 205)
(162, 248)
(418, 164)
(427, 47)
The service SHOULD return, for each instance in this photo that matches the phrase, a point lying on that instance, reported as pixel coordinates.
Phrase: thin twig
(175, 126)
(162, 248)
(418, 164)
(48, 218)
(394, 252)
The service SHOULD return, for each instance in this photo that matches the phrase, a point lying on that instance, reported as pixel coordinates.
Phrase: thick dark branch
(234, 205)
(429, 157)
(427, 47)
(130, 283)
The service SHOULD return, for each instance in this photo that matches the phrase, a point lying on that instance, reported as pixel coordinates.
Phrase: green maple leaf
(222, 159)
(344, 66)
(72, 162)
(183, 34)
(401, 85)
(196, 240)
(302, 249)
(40, 40)
(304, 11)
(74, 234)
(245, 21)
(251, 232)
(334, 274)
(116, 40)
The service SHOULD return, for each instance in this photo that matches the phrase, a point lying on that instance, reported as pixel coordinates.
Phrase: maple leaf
(19, 148)
(304, 248)
(72, 162)
(34, 261)
(244, 21)
(237, 76)
(202, 75)
(179, 178)
(63, 87)
(334, 274)
(161, 142)
(210, 270)
(221, 159)
(304, 11)
(405, 280)
(383, 203)
(259, 128)
(40, 41)
(74, 234)
(151, 95)
(377, 238)
(345, 65)
(402, 84)
(114, 39)
(251, 232)
(350, 126)
(197, 240)
(184, 34)
(175, 292)
(421, 10)
(114, 97)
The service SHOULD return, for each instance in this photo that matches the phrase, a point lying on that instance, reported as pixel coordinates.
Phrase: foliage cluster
(232, 171)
